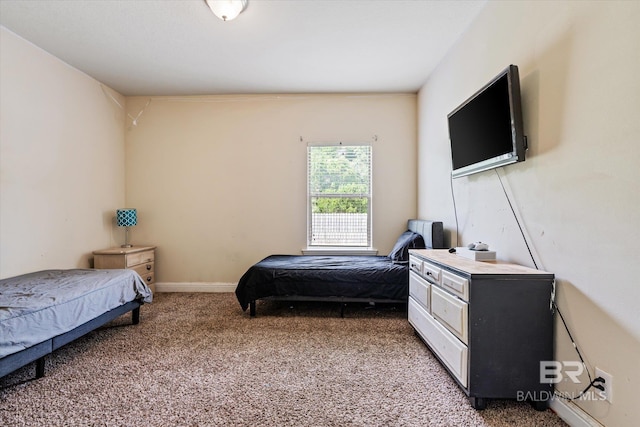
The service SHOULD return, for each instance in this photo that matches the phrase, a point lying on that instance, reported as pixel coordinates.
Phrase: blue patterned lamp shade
(127, 217)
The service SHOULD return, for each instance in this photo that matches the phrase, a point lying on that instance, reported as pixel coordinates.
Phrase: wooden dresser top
(122, 251)
(443, 256)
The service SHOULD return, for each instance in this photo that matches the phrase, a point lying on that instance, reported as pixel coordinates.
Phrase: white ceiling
(178, 47)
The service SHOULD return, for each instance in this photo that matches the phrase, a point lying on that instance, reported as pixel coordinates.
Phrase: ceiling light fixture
(227, 9)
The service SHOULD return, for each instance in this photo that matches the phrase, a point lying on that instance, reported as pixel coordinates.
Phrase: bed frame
(39, 351)
(431, 231)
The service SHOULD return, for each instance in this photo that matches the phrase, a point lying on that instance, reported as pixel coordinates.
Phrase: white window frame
(313, 247)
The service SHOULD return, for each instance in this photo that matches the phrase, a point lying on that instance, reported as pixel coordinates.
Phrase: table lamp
(126, 218)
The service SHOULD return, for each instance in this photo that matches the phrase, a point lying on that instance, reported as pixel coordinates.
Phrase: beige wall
(61, 161)
(577, 193)
(220, 182)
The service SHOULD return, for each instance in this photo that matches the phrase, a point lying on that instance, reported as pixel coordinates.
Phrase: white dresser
(489, 323)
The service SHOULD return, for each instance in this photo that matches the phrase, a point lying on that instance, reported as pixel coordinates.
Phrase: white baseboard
(195, 287)
(572, 414)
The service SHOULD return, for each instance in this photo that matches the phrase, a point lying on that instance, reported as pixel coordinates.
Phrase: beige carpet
(198, 360)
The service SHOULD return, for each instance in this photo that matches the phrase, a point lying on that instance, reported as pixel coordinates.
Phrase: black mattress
(372, 277)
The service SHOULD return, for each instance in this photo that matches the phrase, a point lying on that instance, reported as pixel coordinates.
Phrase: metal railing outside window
(339, 194)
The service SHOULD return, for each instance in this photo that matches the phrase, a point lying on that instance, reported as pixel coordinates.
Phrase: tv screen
(486, 131)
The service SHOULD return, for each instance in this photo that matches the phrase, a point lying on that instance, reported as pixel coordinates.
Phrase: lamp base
(126, 239)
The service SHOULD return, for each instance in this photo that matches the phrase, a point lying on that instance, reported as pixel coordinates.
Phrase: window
(339, 194)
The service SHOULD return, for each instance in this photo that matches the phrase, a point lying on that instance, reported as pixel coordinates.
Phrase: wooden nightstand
(138, 258)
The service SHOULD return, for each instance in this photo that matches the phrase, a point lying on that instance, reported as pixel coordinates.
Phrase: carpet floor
(196, 359)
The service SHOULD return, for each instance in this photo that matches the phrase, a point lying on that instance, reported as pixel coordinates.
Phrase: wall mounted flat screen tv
(486, 130)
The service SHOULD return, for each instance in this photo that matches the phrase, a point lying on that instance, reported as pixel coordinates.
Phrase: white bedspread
(38, 306)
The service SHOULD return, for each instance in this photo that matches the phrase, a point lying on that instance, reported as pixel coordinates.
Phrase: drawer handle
(148, 278)
(148, 267)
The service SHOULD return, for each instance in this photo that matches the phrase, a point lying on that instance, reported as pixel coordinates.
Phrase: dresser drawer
(144, 269)
(419, 290)
(149, 278)
(431, 272)
(451, 311)
(452, 352)
(415, 264)
(456, 284)
(140, 258)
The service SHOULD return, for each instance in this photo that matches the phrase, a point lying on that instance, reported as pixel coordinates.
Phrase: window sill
(339, 251)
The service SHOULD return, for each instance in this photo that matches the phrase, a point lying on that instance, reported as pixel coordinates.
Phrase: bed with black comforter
(358, 278)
